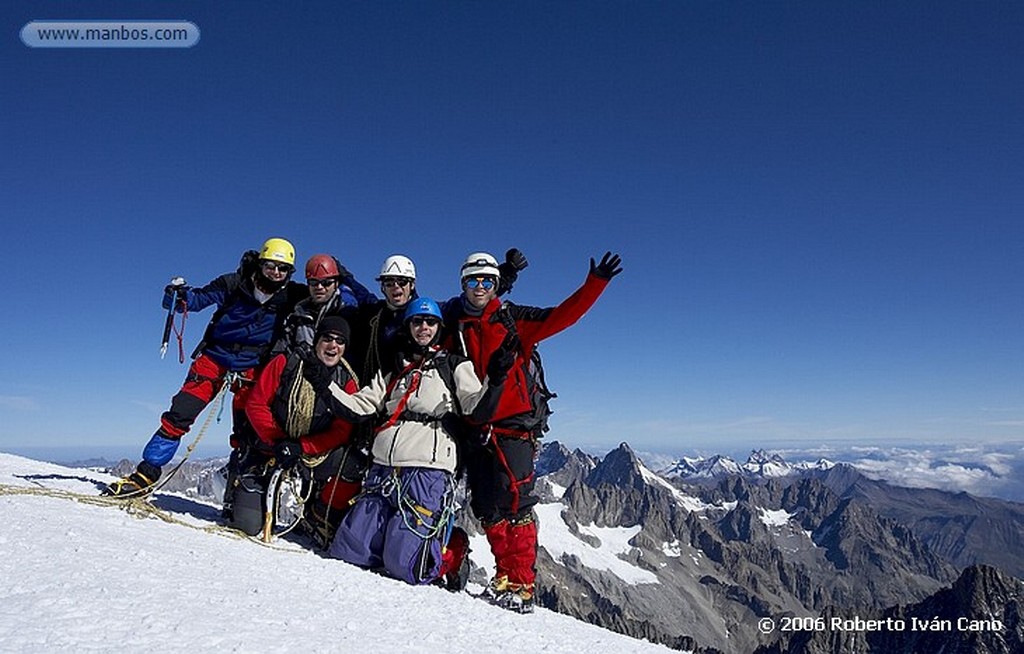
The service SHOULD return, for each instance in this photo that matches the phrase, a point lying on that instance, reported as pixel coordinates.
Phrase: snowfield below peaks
(88, 578)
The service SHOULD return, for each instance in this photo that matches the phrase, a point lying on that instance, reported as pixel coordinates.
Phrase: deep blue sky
(818, 204)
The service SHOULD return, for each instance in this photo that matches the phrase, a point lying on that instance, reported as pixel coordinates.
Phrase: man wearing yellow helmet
(252, 304)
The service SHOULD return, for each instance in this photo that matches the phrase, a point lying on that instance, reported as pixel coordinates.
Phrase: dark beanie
(333, 325)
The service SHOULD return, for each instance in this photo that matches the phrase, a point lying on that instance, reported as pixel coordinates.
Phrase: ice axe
(176, 286)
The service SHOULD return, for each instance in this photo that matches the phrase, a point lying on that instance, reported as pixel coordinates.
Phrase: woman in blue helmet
(403, 517)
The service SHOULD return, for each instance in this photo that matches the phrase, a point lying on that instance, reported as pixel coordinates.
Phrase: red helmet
(322, 266)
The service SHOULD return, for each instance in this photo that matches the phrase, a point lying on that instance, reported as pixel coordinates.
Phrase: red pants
(204, 380)
(514, 545)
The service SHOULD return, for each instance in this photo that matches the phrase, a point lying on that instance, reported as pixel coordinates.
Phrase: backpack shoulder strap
(445, 364)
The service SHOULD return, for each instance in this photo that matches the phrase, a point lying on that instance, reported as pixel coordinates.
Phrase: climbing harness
(416, 367)
(513, 484)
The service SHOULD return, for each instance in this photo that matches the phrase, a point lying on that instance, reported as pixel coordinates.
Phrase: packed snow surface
(96, 578)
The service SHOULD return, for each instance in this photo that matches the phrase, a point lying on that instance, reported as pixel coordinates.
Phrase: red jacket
(260, 410)
(479, 336)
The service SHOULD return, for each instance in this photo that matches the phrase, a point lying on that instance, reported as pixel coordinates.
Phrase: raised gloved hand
(343, 272)
(313, 369)
(509, 269)
(608, 268)
(287, 453)
(515, 258)
(502, 359)
(177, 284)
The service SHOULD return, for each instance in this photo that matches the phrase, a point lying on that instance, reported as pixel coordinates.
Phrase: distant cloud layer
(995, 470)
(985, 470)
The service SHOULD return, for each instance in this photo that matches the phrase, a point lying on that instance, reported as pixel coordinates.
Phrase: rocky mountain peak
(560, 466)
(621, 467)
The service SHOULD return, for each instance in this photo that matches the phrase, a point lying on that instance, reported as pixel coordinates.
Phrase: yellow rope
(138, 507)
(142, 493)
(301, 400)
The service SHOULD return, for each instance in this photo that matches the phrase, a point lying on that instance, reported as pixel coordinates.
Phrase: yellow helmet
(278, 249)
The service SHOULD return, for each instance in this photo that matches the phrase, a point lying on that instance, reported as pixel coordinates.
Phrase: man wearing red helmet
(333, 290)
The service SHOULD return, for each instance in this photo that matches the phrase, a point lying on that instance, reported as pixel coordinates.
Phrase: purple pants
(396, 523)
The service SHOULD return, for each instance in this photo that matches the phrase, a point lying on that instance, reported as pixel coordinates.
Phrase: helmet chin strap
(268, 285)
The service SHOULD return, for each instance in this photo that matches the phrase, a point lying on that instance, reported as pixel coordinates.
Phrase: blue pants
(398, 523)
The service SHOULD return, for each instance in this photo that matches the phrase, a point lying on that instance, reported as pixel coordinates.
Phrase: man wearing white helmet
(377, 329)
(252, 304)
(377, 326)
(499, 463)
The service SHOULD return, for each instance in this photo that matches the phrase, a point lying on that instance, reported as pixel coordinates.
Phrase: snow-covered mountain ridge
(759, 464)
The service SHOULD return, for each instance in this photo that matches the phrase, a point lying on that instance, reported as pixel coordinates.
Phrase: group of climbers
(381, 402)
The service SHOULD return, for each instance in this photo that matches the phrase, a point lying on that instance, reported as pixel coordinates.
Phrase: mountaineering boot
(320, 521)
(518, 598)
(228, 476)
(136, 484)
(496, 589)
(454, 573)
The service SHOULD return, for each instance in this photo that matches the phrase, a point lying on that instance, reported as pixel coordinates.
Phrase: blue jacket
(242, 330)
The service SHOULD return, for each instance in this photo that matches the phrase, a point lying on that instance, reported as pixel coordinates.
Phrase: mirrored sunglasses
(485, 282)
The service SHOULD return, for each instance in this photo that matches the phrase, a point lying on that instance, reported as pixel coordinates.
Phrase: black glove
(515, 258)
(177, 285)
(287, 453)
(343, 272)
(481, 436)
(354, 465)
(515, 261)
(249, 262)
(608, 268)
(502, 359)
(313, 369)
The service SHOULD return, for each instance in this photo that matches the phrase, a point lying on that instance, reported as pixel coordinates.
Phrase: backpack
(536, 385)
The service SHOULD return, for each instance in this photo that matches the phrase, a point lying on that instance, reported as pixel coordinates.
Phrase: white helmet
(397, 266)
(480, 263)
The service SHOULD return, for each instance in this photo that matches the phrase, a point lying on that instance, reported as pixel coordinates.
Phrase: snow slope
(95, 578)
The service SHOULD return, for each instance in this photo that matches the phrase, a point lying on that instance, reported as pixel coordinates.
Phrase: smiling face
(423, 329)
(397, 290)
(479, 291)
(275, 271)
(330, 348)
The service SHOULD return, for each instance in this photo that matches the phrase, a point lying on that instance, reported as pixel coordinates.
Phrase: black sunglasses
(313, 283)
(279, 267)
(428, 320)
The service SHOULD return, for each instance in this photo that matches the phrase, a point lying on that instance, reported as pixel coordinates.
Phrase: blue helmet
(422, 306)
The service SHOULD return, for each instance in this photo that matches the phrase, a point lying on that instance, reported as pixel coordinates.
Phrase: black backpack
(536, 385)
